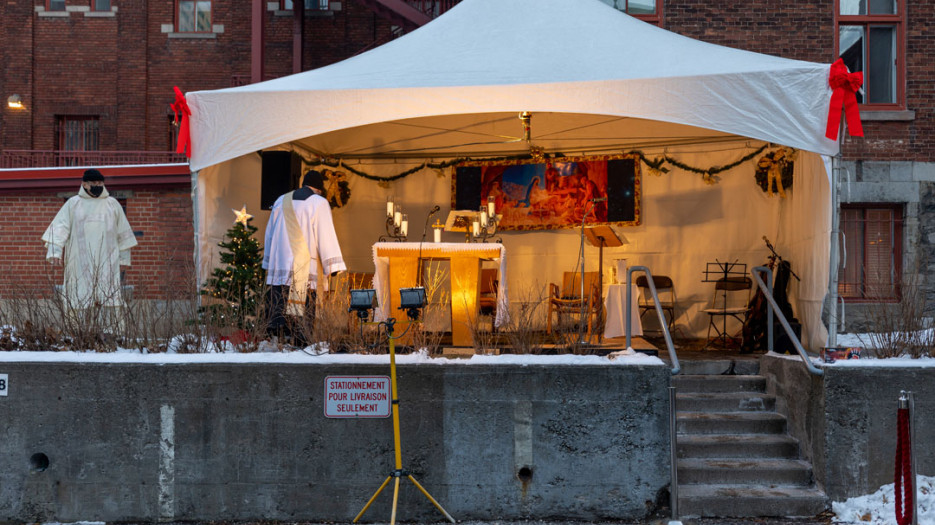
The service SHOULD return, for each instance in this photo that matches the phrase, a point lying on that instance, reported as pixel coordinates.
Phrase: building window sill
(101, 14)
(309, 13)
(196, 36)
(887, 115)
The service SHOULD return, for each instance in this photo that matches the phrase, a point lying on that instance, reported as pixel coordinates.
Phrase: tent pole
(835, 256)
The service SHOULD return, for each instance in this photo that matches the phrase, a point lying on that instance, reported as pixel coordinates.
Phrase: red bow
(180, 107)
(844, 86)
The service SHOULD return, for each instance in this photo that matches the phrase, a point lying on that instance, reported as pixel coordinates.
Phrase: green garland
(655, 165)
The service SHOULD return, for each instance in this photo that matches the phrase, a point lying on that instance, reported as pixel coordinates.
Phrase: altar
(397, 264)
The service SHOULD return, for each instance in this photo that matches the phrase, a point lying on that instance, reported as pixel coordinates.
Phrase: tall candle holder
(397, 223)
(485, 226)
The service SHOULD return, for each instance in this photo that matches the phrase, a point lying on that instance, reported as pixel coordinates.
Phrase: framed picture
(558, 193)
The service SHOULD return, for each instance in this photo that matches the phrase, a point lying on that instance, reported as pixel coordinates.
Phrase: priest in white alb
(91, 235)
(300, 241)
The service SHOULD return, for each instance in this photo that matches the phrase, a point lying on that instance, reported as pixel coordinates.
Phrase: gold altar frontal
(401, 270)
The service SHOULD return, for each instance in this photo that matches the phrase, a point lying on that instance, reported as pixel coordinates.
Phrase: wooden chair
(487, 301)
(731, 300)
(665, 290)
(568, 299)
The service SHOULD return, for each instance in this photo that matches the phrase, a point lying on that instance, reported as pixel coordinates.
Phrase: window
(194, 16)
(173, 136)
(871, 39)
(75, 134)
(316, 5)
(647, 10)
(873, 242)
(55, 5)
(100, 5)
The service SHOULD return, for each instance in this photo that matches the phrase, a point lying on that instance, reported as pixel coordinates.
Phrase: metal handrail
(676, 368)
(773, 307)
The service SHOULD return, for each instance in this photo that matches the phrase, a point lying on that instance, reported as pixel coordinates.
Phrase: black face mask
(96, 191)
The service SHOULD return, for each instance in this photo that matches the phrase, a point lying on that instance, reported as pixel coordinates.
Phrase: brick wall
(161, 263)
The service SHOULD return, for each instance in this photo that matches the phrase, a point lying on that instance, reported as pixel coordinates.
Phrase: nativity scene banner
(552, 194)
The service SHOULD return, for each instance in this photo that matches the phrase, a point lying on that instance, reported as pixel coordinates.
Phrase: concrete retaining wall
(845, 420)
(127, 442)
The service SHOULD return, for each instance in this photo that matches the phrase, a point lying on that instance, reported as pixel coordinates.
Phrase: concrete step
(725, 402)
(742, 501)
(711, 384)
(737, 446)
(730, 423)
(735, 471)
(716, 366)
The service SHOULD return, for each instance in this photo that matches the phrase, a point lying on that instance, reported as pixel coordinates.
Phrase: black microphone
(599, 199)
(425, 229)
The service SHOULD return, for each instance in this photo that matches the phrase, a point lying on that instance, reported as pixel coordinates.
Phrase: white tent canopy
(596, 82)
(595, 79)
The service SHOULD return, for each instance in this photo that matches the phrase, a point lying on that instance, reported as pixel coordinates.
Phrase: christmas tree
(238, 287)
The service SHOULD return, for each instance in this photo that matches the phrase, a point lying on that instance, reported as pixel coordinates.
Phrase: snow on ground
(879, 508)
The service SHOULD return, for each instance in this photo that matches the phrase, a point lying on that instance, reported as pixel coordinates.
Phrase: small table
(397, 266)
(615, 306)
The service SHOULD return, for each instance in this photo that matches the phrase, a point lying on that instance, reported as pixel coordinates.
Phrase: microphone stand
(581, 318)
(424, 230)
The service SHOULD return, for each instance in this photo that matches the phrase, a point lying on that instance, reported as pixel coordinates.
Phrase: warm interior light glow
(15, 102)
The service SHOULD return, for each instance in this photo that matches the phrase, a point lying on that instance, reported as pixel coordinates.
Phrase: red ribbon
(844, 86)
(180, 107)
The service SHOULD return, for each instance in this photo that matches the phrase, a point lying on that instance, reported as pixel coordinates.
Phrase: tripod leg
(395, 500)
(372, 498)
(429, 496)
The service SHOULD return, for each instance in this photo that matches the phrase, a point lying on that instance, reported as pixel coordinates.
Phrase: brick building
(93, 81)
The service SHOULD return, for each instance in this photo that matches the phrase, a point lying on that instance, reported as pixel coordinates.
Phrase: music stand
(723, 271)
(602, 235)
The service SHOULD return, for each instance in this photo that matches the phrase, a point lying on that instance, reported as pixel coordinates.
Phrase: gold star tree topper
(242, 216)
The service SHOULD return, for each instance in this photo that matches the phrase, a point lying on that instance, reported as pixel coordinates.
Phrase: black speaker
(282, 172)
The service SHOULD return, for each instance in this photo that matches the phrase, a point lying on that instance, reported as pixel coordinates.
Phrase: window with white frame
(314, 5)
(871, 39)
(55, 5)
(100, 5)
(193, 16)
(871, 269)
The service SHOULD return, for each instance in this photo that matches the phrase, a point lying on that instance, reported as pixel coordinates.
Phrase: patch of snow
(879, 508)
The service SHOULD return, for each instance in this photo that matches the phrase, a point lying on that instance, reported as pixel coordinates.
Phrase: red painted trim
(56, 179)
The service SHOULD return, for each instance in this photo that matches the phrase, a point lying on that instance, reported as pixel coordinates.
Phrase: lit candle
(476, 228)
(491, 209)
(483, 216)
(389, 207)
(397, 216)
(438, 235)
(404, 226)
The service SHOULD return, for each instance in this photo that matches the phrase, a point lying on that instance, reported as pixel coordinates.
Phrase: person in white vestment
(299, 239)
(92, 236)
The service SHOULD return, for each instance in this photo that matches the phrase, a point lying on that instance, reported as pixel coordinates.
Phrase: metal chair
(731, 300)
(665, 290)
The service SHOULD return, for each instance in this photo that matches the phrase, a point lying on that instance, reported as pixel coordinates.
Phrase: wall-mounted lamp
(14, 102)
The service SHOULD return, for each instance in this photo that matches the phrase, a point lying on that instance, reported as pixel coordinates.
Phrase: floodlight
(411, 300)
(362, 301)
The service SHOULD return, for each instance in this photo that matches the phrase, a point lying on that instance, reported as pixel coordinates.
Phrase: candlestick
(476, 228)
(438, 235)
(389, 207)
(491, 206)
(397, 217)
(404, 226)
(483, 216)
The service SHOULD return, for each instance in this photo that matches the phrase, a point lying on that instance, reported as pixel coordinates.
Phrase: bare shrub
(903, 327)
(436, 298)
(522, 330)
